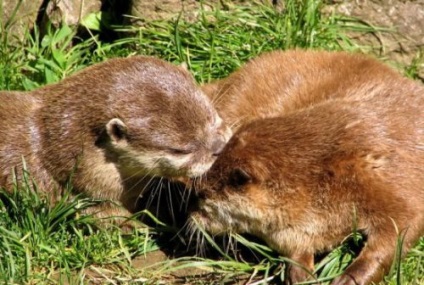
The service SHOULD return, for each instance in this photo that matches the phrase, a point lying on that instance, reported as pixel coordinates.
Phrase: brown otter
(280, 82)
(109, 128)
(305, 180)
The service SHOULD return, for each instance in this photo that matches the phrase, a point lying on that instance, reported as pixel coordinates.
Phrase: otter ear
(116, 129)
(239, 177)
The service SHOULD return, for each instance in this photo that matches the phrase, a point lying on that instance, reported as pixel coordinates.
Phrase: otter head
(163, 125)
(253, 186)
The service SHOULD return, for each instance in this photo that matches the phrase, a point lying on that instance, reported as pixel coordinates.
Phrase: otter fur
(108, 129)
(342, 151)
(280, 82)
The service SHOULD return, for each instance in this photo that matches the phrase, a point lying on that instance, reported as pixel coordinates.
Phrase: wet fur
(345, 151)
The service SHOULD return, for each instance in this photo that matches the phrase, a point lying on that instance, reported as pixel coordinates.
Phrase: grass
(42, 242)
(49, 244)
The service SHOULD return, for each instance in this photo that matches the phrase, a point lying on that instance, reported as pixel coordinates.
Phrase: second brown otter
(344, 152)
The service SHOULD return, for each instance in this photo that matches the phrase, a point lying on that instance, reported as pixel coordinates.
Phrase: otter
(108, 129)
(280, 82)
(351, 160)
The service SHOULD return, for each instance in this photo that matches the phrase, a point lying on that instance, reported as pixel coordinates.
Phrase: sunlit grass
(43, 241)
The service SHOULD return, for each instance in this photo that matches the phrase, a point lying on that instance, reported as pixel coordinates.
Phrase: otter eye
(178, 151)
(239, 177)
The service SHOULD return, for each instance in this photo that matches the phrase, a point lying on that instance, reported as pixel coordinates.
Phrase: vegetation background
(55, 244)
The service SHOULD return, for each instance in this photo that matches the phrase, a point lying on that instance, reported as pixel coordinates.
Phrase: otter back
(280, 82)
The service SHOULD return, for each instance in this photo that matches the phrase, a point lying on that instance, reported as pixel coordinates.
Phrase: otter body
(109, 128)
(281, 82)
(303, 181)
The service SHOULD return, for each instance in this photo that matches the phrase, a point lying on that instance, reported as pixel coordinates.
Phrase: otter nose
(217, 146)
(199, 195)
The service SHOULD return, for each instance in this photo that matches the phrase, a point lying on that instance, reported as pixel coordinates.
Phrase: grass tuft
(39, 240)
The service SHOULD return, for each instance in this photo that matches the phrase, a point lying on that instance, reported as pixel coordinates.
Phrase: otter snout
(218, 145)
(219, 142)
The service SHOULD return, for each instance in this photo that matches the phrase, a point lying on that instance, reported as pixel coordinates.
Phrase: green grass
(49, 244)
(45, 242)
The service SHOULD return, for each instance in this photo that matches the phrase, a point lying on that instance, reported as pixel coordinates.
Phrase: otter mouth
(198, 221)
(208, 219)
(196, 211)
(203, 215)
(201, 220)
